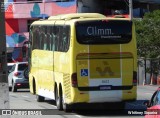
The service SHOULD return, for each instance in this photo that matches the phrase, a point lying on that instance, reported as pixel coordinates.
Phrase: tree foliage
(148, 35)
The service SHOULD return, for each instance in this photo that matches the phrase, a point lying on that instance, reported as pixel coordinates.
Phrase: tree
(148, 35)
(148, 39)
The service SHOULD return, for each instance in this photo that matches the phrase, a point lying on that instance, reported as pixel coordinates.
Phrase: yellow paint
(104, 68)
(132, 61)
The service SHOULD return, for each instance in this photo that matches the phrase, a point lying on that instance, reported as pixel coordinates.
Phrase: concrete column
(131, 9)
(4, 91)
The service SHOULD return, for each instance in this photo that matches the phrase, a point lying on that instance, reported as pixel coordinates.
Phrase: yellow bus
(83, 58)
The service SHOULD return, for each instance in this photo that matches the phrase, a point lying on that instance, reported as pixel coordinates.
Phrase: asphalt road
(23, 100)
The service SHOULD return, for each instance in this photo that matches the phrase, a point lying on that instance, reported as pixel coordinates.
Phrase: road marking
(149, 93)
(11, 94)
(54, 106)
(25, 96)
(78, 116)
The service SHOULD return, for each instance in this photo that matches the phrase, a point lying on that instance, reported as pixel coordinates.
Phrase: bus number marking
(105, 81)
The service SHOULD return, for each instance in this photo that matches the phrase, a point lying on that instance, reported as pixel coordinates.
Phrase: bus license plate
(105, 88)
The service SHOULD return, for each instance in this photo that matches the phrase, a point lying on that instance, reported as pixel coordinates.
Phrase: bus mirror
(27, 44)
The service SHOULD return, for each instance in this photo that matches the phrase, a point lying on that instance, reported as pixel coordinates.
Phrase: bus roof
(77, 17)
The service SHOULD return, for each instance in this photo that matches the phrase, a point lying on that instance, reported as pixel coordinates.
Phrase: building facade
(140, 7)
(19, 14)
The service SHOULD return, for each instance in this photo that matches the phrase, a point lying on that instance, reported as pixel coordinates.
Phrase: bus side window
(41, 41)
(35, 37)
(45, 37)
(53, 37)
(66, 38)
(40, 38)
(48, 38)
(60, 41)
(57, 38)
(62, 38)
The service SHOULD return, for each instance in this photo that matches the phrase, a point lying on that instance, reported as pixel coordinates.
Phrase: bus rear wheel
(34, 86)
(59, 100)
(66, 107)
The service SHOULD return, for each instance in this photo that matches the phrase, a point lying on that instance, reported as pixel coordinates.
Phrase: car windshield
(21, 67)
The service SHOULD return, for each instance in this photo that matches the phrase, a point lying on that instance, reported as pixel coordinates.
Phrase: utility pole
(131, 9)
(4, 91)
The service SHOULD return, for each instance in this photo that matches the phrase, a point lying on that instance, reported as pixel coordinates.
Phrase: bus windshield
(104, 32)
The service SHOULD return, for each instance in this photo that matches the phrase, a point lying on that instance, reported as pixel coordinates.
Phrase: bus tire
(39, 98)
(34, 86)
(67, 107)
(59, 100)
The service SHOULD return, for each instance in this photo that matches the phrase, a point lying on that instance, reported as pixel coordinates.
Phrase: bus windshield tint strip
(104, 32)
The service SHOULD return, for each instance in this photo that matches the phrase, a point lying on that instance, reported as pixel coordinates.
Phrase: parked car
(9, 66)
(153, 105)
(16, 78)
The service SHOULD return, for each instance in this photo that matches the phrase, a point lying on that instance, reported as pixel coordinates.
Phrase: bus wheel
(66, 107)
(39, 98)
(34, 87)
(59, 100)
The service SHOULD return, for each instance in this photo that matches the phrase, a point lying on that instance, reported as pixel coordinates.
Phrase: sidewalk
(149, 87)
